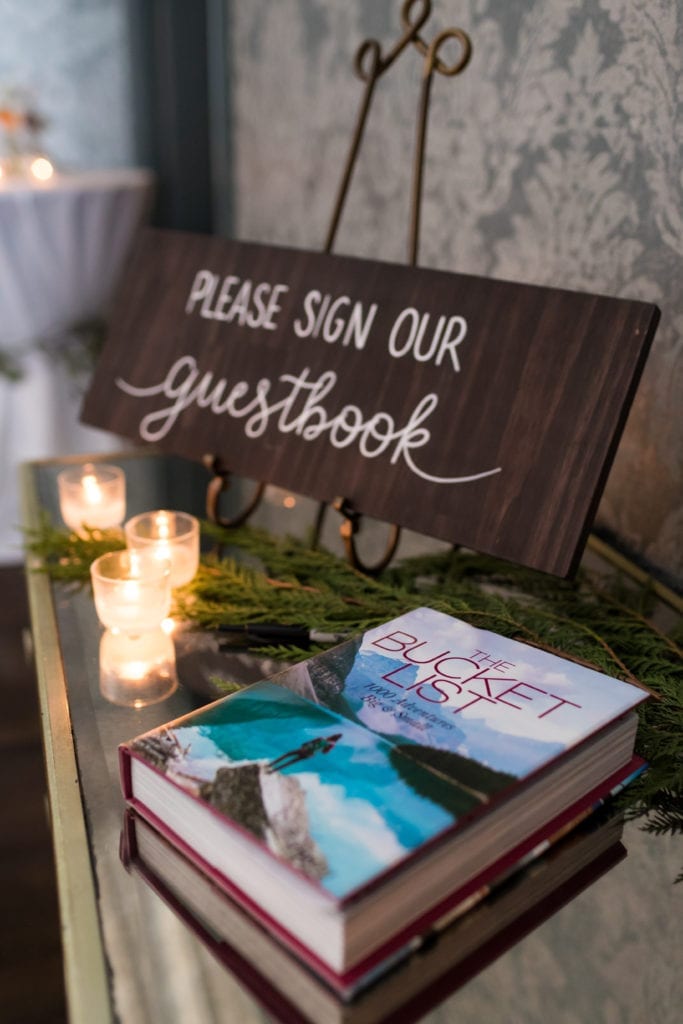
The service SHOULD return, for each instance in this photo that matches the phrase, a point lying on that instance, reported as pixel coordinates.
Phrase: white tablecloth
(62, 248)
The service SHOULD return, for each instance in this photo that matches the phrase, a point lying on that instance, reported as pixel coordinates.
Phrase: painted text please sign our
(482, 412)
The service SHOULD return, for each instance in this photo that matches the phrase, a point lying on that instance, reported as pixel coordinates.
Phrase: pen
(266, 632)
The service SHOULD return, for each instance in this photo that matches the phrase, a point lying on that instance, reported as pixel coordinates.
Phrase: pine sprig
(666, 815)
(67, 556)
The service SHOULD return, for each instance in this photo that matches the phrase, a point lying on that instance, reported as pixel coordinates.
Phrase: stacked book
(357, 831)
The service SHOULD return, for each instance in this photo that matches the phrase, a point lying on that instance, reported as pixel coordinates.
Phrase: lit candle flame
(131, 591)
(134, 562)
(134, 669)
(91, 489)
(162, 552)
(163, 527)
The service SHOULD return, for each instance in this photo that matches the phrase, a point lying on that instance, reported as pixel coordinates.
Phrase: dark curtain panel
(170, 76)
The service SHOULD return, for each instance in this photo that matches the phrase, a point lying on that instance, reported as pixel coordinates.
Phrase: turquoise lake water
(362, 812)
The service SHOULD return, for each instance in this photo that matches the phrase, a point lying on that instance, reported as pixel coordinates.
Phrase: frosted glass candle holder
(172, 536)
(92, 495)
(132, 590)
(137, 670)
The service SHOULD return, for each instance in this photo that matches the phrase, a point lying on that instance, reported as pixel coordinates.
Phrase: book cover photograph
(435, 686)
(346, 764)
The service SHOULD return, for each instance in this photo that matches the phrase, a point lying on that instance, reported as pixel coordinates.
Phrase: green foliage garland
(255, 577)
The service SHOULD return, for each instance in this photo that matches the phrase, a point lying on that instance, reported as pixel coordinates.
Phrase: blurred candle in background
(92, 495)
(41, 169)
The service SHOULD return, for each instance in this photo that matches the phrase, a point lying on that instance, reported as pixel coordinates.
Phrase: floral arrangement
(20, 129)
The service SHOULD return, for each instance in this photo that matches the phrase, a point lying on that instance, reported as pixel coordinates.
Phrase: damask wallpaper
(554, 159)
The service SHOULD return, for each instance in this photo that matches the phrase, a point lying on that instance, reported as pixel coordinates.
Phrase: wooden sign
(477, 411)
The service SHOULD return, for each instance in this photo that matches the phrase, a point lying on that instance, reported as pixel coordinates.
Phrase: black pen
(276, 633)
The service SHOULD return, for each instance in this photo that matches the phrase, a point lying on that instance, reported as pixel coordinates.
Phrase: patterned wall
(555, 159)
(71, 57)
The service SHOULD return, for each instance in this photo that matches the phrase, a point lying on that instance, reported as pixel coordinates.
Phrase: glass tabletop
(608, 949)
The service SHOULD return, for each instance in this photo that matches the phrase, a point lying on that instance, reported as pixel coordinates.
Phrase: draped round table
(62, 247)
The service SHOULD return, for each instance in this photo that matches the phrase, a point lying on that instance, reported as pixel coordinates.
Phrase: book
(354, 799)
(451, 954)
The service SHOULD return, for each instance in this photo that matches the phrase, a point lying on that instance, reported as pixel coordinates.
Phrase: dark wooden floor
(31, 986)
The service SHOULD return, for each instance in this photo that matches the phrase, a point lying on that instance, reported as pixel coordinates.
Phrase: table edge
(85, 970)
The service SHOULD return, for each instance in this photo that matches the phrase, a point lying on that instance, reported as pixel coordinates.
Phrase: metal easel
(370, 63)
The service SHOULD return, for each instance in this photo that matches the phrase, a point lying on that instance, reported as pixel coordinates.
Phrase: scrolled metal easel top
(370, 64)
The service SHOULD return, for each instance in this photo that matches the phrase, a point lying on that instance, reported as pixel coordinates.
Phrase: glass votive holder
(132, 590)
(137, 670)
(92, 495)
(172, 536)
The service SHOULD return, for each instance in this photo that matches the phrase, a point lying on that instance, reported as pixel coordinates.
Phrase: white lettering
(251, 307)
(334, 327)
(410, 333)
(203, 286)
(224, 297)
(358, 328)
(413, 315)
(303, 330)
(335, 319)
(450, 344)
(274, 306)
(300, 410)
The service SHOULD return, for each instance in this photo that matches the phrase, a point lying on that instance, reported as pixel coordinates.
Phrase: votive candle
(132, 590)
(92, 495)
(172, 536)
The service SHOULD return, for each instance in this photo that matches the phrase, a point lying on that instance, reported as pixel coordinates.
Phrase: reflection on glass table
(137, 670)
(452, 954)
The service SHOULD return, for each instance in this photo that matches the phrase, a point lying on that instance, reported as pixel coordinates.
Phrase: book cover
(346, 764)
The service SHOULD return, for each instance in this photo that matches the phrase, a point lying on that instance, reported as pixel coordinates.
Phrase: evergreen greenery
(67, 556)
(600, 621)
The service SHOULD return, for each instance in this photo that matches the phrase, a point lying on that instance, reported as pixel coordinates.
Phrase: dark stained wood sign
(481, 412)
